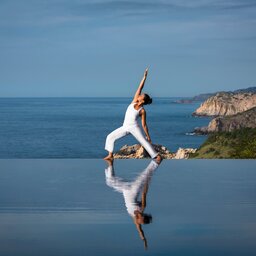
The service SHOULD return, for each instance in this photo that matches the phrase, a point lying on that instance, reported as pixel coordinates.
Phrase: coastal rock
(183, 153)
(245, 119)
(137, 151)
(226, 104)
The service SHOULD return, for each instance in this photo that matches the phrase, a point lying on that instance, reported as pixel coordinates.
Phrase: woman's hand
(148, 139)
(146, 73)
(138, 92)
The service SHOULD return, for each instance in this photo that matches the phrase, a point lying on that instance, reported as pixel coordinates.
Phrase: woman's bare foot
(109, 157)
(159, 159)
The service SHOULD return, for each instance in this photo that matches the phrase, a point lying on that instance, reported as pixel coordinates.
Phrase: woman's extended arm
(142, 236)
(138, 92)
(144, 124)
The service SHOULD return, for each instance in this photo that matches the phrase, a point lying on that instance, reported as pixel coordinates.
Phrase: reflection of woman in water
(131, 126)
(131, 192)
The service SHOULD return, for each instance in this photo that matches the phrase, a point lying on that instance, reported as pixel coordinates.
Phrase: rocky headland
(137, 151)
(226, 104)
(246, 119)
(232, 133)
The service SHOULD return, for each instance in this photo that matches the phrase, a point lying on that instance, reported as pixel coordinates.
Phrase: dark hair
(147, 218)
(147, 99)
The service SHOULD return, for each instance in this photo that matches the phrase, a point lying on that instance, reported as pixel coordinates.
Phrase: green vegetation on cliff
(236, 144)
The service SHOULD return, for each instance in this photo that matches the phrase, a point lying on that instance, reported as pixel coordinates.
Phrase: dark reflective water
(87, 207)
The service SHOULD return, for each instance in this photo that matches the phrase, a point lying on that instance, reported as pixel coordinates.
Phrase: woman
(131, 126)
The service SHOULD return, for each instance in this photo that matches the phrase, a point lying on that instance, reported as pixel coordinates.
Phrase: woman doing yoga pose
(131, 126)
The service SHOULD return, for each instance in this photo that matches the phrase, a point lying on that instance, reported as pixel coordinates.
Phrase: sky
(90, 48)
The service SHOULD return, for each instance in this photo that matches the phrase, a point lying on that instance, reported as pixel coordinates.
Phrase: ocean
(77, 127)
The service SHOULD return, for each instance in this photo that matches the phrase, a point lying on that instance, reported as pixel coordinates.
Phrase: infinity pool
(134, 207)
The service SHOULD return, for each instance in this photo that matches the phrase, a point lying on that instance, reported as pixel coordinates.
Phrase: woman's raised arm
(138, 92)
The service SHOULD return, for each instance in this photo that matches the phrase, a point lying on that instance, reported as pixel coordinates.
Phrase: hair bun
(147, 99)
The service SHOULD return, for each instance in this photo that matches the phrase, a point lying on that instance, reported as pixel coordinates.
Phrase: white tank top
(131, 115)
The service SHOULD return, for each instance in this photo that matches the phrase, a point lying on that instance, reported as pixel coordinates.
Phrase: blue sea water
(77, 127)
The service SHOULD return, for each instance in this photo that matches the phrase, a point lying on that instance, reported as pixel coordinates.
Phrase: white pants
(125, 130)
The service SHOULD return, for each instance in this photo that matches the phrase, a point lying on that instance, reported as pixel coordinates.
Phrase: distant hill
(197, 98)
(204, 96)
(249, 89)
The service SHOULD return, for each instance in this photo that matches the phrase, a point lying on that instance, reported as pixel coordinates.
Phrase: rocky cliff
(245, 119)
(226, 103)
(184, 153)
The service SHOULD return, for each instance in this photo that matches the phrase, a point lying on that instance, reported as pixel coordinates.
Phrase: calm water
(77, 127)
(79, 207)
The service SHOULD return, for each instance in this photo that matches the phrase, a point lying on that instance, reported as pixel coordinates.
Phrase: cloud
(153, 10)
(57, 12)
(125, 5)
(49, 18)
